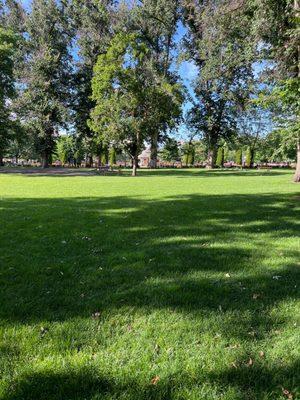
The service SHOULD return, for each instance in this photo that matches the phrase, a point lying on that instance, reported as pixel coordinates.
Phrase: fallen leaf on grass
(250, 362)
(261, 354)
(233, 364)
(255, 296)
(86, 238)
(43, 330)
(155, 380)
(287, 393)
(96, 315)
(227, 275)
(233, 346)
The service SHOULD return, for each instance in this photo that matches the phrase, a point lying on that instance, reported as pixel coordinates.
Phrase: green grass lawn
(172, 285)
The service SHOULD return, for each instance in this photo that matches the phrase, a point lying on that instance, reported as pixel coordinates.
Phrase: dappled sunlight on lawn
(188, 287)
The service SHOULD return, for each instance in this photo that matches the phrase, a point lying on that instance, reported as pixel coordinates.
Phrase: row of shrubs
(249, 159)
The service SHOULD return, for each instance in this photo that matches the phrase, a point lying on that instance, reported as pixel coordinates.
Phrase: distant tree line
(106, 73)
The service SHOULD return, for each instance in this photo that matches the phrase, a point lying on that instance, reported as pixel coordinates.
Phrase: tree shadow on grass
(204, 173)
(55, 172)
(68, 257)
(249, 383)
(161, 172)
(199, 255)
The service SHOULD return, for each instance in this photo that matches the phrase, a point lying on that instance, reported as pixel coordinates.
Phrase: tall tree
(7, 86)
(129, 95)
(218, 43)
(93, 21)
(156, 22)
(253, 123)
(277, 26)
(46, 75)
(170, 151)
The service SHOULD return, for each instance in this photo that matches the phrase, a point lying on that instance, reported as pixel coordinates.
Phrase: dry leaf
(227, 275)
(287, 393)
(155, 380)
(43, 330)
(261, 354)
(233, 364)
(96, 315)
(86, 238)
(255, 296)
(234, 346)
(250, 362)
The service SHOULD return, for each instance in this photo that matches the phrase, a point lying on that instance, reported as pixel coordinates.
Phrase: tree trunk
(211, 158)
(1, 161)
(89, 162)
(153, 155)
(45, 160)
(297, 173)
(135, 164)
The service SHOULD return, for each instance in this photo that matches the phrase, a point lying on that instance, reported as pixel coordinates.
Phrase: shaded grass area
(109, 282)
(143, 172)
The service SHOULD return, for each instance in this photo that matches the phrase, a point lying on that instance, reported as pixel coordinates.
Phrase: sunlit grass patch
(172, 285)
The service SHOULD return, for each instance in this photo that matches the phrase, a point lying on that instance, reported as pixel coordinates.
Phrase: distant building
(144, 157)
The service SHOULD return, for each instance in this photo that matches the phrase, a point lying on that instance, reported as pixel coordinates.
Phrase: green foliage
(200, 151)
(69, 150)
(219, 45)
(220, 157)
(279, 145)
(92, 20)
(127, 100)
(104, 155)
(7, 86)
(226, 151)
(238, 157)
(112, 156)
(188, 154)
(65, 149)
(277, 24)
(249, 157)
(46, 74)
(170, 151)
